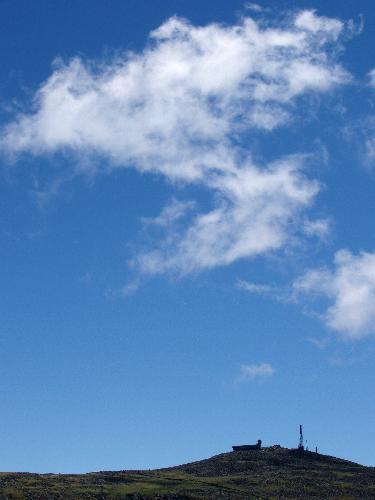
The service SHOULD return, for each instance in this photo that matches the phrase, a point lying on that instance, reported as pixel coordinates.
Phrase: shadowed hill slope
(261, 474)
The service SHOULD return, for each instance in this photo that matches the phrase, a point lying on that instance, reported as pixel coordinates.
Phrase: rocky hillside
(261, 474)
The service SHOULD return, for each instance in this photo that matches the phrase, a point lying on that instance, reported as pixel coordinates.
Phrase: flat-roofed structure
(247, 447)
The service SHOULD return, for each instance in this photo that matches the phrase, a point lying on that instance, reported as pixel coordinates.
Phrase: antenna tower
(300, 446)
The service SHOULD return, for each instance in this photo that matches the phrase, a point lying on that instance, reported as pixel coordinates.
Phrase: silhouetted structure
(300, 446)
(246, 447)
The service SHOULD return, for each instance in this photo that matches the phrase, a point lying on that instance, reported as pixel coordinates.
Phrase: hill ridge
(268, 473)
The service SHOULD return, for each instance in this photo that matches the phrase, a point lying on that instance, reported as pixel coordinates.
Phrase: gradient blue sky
(135, 332)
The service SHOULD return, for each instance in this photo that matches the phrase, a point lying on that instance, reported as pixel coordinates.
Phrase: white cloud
(173, 107)
(319, 227)
(371, 77)
(328, 27)
(370, 149)
(367, 127)
(171, 213)
(252, 372)
(254, 7)
(254, 215)
(178, 109)
(256, 288)
(350, 288)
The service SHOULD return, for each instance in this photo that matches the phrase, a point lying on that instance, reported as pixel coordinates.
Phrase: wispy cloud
(171, 214)
(254, 7)
(257, 288)
(278, 292)
(173, 107)
(319, 343)
(371, 78)
(254, 215)
(178, 109)
(255, 372)
(363, 132)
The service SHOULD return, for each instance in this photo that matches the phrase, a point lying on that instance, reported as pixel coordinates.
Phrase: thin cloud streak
(253, 372)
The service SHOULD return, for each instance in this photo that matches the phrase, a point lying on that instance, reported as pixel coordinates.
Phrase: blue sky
(187, 231)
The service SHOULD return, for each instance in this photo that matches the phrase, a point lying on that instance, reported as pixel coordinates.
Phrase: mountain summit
(269, 473)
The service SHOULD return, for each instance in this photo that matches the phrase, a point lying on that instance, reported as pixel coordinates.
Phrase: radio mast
(300, 446)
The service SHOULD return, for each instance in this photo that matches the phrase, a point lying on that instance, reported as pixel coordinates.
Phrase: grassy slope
(269, 473)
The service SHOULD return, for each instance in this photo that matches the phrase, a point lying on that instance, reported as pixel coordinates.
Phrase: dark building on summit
(246, 447)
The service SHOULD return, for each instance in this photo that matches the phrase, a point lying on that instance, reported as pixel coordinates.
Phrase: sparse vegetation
(265, 474)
